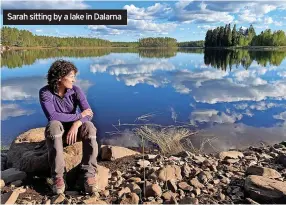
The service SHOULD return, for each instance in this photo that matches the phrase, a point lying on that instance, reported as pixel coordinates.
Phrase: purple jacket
(63, 109)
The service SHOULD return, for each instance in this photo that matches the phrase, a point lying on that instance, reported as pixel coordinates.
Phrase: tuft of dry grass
(167, 138)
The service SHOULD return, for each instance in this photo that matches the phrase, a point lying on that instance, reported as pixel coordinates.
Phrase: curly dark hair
(59, 69)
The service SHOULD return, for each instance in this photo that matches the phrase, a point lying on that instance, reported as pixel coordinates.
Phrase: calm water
(238, 97)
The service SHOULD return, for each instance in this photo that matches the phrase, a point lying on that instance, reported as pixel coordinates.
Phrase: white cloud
(140, 20)
(280, 116)
(133, 27)
(13, 110)
(268, 20)
(39, 30)
(213, 116)
(14, 93)
(241, 106)
(206, 27)
(157, 10)
(282, 74)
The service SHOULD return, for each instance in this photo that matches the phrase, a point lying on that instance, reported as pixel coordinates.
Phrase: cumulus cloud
(197, 12)
(157, 10)
(261, 105)
(115, 66)
(140, 20)
(133, 26)
(13, 89)
(13, 110)
(282, 74)
(213, 116)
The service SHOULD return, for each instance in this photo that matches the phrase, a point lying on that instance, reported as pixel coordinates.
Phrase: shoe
(58, 186)
(91, 185)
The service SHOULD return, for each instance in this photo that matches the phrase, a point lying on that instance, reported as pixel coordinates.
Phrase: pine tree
(234, 36)
(229, 36)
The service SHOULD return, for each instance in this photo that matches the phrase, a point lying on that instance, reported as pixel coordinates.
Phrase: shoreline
(264, 48)
(233, 176)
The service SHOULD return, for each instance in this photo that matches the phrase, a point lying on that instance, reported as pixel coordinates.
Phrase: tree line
(227, 36)
(228, 59)
(158, 42)
(191, 44)
(218, 37)
(24, 38)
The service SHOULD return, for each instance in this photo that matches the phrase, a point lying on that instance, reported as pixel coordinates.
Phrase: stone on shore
(265, 190)
(130, 198)
(111, 153)
(263, 171)
(230, 155)
(28, 153)
(11, 175)
(170, 172)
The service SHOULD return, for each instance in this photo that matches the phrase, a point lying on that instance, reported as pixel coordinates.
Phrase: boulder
(263, 171)
(28, 153)
(230, 155)
(130, 198)
(265, 190)
(102, 175)
(169, 172)
(143, 163)
(111, 153)
(195, 182)
(189, 200)
(11, 175)
(185, 186)
(153, 190)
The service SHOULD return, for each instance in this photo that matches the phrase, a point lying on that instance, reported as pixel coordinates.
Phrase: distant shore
(65, 47)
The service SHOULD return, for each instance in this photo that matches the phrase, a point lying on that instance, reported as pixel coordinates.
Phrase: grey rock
(263, 171)
(12, 174)
(265, 190)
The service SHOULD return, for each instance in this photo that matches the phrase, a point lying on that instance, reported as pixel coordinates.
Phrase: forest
(218, 37)
(227, 36)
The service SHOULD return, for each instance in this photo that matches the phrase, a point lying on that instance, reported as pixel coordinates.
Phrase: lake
(236, 98)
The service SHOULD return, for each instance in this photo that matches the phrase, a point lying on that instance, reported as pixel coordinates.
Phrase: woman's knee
(88, 130)
(53, 129)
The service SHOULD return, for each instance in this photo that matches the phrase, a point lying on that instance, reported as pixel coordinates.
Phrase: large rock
(110, 153)
(265, 190)
(103, 174)
(130, 198)
(231, 155)
(11, 175)
(170, 172)
(153, 190)
(263, 171)
(28, 153)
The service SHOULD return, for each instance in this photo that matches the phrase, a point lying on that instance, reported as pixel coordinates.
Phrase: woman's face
(68, 80)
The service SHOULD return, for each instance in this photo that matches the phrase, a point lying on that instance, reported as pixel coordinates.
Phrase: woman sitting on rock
(59, 100)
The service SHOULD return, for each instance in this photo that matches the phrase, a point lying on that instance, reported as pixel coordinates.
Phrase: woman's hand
(72, 134)
(87, 112)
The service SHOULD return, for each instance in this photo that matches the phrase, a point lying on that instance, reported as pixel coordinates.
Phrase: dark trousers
(55, 135)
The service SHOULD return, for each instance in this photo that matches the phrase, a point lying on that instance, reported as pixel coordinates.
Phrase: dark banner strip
(65, 17)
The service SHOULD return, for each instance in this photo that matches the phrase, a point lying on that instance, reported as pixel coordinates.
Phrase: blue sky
(183, 20)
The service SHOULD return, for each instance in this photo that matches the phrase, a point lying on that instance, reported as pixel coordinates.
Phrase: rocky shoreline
(254, 175)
